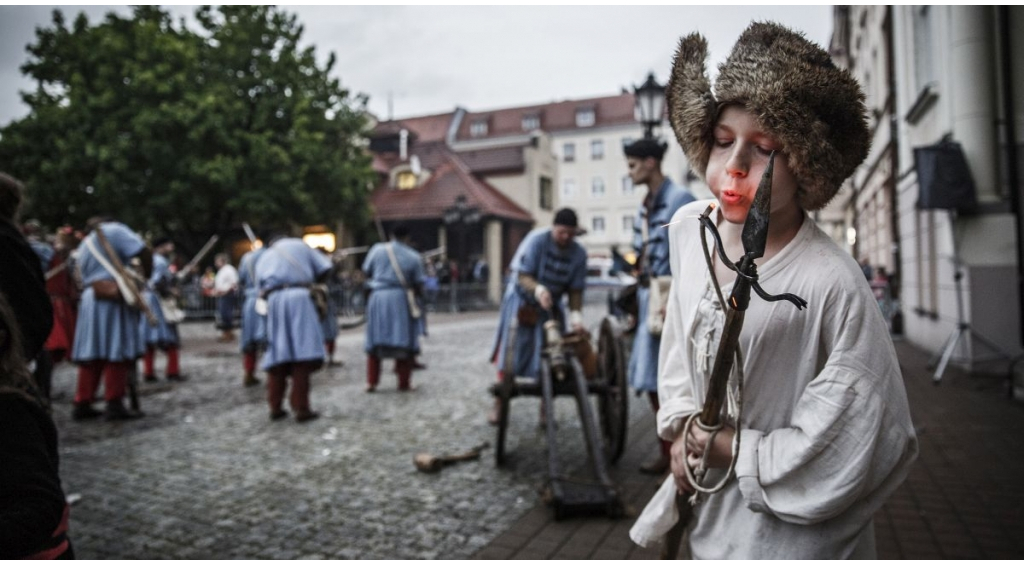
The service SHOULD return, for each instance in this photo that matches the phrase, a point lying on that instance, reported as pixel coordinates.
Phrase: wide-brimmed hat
(794, 92)
(567, 217)
(643, 148)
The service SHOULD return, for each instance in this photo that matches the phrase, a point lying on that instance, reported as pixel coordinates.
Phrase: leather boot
(84, 411)
(404, 370)
(372, 373)
(250, 380)
(117, 412)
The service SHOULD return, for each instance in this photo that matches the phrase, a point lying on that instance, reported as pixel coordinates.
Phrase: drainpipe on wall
(896, 279)
(1012, 167)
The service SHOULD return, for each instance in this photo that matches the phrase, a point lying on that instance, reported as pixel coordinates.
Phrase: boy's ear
(692, 107)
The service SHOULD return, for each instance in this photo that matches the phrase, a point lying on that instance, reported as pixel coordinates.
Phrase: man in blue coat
(650, 243)
(254, 325)
(107, 337)
(295, 340)
(548, 265)
(164, 333)
(394, 273)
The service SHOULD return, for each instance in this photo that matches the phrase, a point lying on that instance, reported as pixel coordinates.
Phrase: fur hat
(795, 93)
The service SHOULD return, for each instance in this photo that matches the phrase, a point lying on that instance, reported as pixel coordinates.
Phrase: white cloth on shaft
(826, 434)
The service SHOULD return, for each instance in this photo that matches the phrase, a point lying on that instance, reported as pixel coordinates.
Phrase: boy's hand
(677, 465)
(720, 450)
(696, 442)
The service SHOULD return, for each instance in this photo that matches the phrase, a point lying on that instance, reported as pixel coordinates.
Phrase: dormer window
(585, 117)
(531, 122)
(478, 128)
(405, 180)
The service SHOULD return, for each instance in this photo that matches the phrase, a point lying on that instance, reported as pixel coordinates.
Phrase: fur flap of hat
(692, 108)
(795, 93)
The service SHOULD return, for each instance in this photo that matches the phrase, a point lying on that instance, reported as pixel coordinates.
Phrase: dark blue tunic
(559, 270)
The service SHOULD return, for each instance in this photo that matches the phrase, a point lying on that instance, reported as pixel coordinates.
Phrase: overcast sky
(432, 59)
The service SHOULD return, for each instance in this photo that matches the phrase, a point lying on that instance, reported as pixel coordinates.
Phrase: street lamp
(650, 104)
(460, 216)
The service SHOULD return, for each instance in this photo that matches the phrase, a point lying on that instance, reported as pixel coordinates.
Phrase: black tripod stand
(941, 360)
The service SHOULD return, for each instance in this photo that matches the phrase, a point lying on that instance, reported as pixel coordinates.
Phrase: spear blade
(755, 228)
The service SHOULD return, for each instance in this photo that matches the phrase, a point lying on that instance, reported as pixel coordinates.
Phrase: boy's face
(739, 155)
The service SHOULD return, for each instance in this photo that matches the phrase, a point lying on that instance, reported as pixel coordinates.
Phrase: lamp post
(650, 104)
(460, 216)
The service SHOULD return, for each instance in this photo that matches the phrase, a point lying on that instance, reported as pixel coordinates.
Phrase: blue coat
(106, 330)
(254, 326)
(284, 273)
(162, 334)
(643, 362)
(559, 270)
(391, 331)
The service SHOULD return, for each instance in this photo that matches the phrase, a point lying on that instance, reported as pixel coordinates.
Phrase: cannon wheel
(613, 404)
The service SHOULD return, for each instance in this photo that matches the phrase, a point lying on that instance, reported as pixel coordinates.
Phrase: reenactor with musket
(394, 272)
(107, 338)
(161, 293)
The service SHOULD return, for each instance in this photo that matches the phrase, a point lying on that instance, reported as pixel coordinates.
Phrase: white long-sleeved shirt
(825, 434)
(226, 280)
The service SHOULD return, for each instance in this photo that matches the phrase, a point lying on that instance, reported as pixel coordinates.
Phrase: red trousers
(249, 362)
(277, 384)
(149, 356)
(403, 367)
(115, 380)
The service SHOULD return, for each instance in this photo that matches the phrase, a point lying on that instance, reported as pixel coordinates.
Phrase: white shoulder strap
(394, 265)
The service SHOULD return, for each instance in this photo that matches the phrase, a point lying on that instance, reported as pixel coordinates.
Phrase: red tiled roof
(426, 128)
(556, 116)
(499, 159)
(450, 177)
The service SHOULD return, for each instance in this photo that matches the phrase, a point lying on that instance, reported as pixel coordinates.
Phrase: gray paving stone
(206, 474)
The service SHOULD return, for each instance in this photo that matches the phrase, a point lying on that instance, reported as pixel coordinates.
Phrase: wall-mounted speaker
(943, 178)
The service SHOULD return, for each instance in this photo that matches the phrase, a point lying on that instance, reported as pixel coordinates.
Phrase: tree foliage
(186, 131)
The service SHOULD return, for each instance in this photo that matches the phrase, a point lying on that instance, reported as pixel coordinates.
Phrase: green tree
(188, 132)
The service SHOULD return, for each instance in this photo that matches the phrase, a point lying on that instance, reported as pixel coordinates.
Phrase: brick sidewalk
(964, 497)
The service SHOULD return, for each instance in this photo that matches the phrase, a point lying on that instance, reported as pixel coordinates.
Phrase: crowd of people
(816, 430)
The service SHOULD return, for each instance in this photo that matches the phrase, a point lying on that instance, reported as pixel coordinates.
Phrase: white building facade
(956, 76)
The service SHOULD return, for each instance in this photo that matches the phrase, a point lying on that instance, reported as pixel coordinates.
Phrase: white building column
(492, 254)
(971, 85)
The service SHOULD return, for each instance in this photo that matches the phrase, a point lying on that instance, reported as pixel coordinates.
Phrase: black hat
(643, 148)
(400, 231)
(566, 217)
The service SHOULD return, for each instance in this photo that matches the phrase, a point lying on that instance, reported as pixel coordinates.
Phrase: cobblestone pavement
(206, 474)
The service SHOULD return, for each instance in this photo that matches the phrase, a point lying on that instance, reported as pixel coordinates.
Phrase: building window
(585, 117)
(569, 188)
(597, 187)
(478, 128)
(597, 149)
(626, 141)
(406, 180)
(627, 224)
(597, 224)
(547, 196)
(627, 186)
(569, 152)
(531, 122)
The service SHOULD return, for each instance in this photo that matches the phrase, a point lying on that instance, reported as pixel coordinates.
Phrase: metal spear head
(755, 228)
